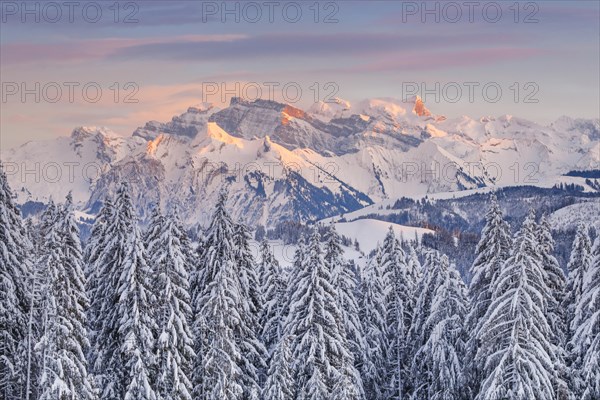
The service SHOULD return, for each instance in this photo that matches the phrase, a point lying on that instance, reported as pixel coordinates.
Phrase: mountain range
(283, 163)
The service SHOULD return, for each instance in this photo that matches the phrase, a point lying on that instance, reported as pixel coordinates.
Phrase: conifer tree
(78, 301)
(293, 280)
(124, 359)
(516, 351)
(438, 364)
(227, 346)
(555, 278)
(14, 295)
(253, 352)
(491, 253)
(585, 344)
(168, 257)
(221, 374)
(348, 383)
(414, 265)
(555, 281)
(96, 274)
(373, 317)
(64, 342)
(38, 296)
(319, 347)
(345, 285)
(52, 380)
(578, 266)
(399, 292)
(280, 385)
(273, 289)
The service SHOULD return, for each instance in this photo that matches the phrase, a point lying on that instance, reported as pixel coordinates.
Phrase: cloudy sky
(97, 64)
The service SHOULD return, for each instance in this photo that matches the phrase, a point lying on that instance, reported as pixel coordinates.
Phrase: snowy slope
(370, 232)
(569, 217)
(284, 253)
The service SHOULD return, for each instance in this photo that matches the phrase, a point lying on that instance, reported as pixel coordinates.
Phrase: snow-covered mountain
(280, 162)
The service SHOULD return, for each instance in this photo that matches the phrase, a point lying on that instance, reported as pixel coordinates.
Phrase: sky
(121, 64)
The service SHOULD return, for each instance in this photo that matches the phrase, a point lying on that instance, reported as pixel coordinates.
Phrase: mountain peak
(420, 108)
(81, 133)
(330, 109)
(201, 108)
(290, 112)
(258, 103)
(287, 111)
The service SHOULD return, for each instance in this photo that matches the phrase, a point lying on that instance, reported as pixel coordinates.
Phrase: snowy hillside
(570, 216)
(369, 232)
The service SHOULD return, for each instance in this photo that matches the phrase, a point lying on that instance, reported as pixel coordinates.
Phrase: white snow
(570, 216)
(369, 232)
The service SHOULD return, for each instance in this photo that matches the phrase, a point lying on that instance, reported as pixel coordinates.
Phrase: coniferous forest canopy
(148, 313)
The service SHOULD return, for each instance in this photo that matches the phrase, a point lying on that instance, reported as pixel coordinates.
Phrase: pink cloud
(91, 50)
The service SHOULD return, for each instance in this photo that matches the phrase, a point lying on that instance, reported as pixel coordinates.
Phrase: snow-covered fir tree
(492, 251)
(556, 283)
(96, 272)
(229, 352)
(280, 385)
(78, 301)
(344, 283)
(293, 278)
(578, 266)
(15, 263)
(420, 330)
(315, 388)
(555, 278)
(319, 347)
(168, 257)
(64, 342)
(516, 348)
(219, 375)
(348, 383)
(400, 302)
(52, 382)
(585, 343)
(414, 265)
(95, 246)
(438, 370)
(373, 317)
(124, 358)
(38, 292)
(273, 289)
(253, 352)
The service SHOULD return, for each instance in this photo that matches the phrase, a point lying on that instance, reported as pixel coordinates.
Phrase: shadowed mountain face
(281, 163)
